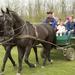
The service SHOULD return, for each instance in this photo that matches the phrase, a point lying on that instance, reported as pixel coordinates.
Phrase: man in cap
(51, 20)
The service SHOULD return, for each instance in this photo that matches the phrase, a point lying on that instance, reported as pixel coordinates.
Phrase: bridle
(11, 38)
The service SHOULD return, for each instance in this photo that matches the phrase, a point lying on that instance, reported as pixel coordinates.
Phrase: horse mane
(18, 19)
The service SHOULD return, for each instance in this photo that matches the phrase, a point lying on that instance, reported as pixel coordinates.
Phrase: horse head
(1, 23)
(8, 23)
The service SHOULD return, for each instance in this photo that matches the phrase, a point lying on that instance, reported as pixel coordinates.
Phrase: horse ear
(7, 10)
(2, 11)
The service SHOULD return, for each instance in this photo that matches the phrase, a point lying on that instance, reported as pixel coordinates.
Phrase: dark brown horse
(26, 35)
(8, 45)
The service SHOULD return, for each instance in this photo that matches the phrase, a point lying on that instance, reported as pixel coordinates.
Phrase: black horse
(27, 35)
(8, 45)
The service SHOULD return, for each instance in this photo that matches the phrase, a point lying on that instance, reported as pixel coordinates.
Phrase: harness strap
(35, 38)
(36, 33)
(5, 41)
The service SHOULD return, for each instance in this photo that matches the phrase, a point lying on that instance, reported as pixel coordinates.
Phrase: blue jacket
(70, 26)
(51, 21)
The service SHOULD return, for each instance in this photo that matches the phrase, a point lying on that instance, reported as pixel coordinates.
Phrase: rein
(27, 36)
(32, 37)
(35, 38)
(16, 28)
(3, 42)
(19, 27)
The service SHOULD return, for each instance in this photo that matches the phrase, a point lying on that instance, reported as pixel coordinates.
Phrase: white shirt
(61, 29)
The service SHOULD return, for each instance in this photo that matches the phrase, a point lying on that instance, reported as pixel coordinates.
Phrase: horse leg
(49, 57)
(10, 57)
(46, 53)
(27, 52)
(35, 50)
(8, 50)
(45, 58)
(12, 61)
(20, 58)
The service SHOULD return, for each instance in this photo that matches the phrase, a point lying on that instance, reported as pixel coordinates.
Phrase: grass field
(60, 65)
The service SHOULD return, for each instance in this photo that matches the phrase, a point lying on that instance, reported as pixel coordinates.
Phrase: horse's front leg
(35, 50)
(20, 58)
(27, 52)
(9, 47)
(12, 61)
(8, 50)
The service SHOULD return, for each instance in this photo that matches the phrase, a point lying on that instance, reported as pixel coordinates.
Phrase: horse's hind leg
(46, 53)
(49, 53)
(27, 52)
(48, 50)
(45, 58)
(49, 57)
(35, 50)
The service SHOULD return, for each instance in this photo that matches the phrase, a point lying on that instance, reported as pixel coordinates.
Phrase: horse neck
(24, 26)
(18, 28)
(18, 23)
(23, 29)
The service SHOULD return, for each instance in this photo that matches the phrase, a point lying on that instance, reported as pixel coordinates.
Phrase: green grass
(60, 65)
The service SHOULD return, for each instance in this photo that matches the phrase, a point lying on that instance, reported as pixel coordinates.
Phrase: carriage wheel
(70, 54)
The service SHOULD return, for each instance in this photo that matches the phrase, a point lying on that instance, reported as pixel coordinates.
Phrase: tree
(63, 7)
(73, 8)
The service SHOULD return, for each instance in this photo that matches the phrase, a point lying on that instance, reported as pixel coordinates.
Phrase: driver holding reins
(50, 19)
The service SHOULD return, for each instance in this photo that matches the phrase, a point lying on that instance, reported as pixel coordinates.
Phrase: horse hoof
(51, 61)
(18, 74)
(1, 73)
(42, 67)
